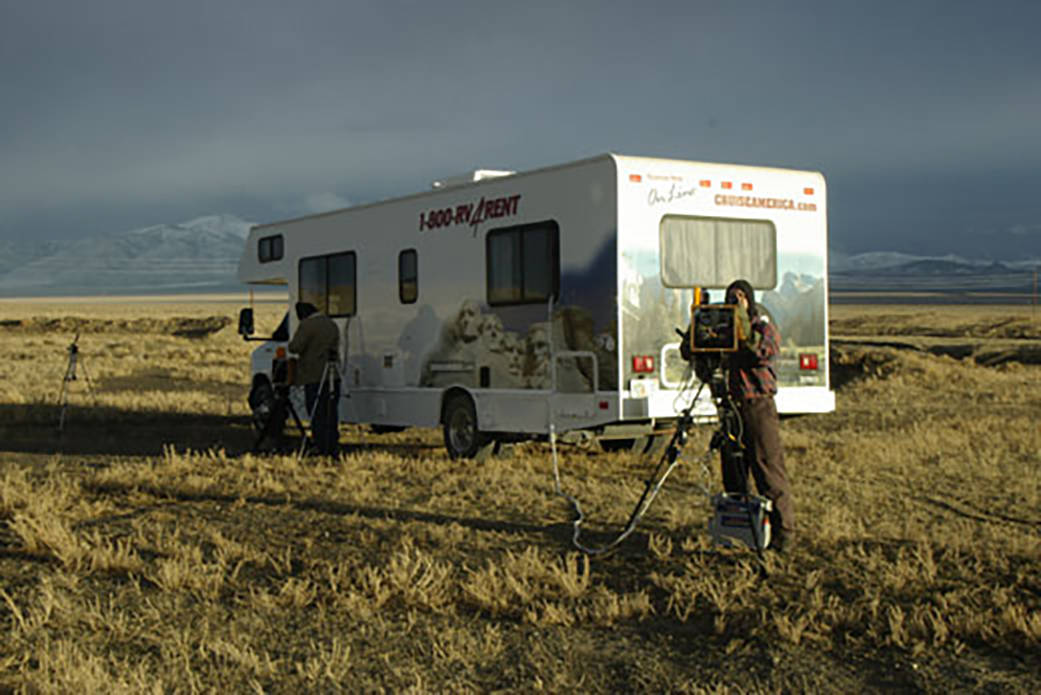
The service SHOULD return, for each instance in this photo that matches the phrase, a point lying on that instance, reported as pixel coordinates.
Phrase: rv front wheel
(462, 438)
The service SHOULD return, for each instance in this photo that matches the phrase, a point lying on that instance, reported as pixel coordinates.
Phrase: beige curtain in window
(712, 252)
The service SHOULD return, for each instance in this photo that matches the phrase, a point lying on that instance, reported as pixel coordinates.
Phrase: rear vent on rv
(476, 175)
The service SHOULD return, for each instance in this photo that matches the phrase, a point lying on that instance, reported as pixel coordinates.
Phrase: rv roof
(484, 175)
(475, 175)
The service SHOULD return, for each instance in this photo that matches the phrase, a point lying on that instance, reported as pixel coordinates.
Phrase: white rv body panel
(527, 365)
(792, 203)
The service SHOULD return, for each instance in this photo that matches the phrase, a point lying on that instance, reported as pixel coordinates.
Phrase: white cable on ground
(654, 485)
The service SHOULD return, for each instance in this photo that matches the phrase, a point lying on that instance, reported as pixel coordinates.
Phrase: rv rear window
(408, 276)
(330, 283)
(715, 251)
(270, 248)
(523, 263)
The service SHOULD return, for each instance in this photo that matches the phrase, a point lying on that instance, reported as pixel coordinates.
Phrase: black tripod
(70, 376)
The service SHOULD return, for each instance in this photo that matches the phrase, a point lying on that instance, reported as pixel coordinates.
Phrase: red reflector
(635, 178)
(808, 191)
(603, 405)
(746, 187)
(807, 360)
(705, 183)
(643, 363)
(727, 184)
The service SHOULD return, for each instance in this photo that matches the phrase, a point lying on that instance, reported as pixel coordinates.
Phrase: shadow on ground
(107, 431)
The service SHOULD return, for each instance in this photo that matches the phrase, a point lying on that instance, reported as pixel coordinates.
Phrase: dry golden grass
(143, 551)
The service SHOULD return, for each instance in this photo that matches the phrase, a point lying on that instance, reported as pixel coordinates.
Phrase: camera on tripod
(714, 328)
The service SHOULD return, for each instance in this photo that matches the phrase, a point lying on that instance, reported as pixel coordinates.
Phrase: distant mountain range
(897, 272)
(202, 255)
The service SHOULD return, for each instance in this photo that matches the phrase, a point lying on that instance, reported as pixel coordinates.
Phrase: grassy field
(144, 551)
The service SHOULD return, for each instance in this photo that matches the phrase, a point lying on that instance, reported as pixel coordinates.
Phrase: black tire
(655, 444)
(648, 444)
(635, 445)
(261, 403)
(462, 438)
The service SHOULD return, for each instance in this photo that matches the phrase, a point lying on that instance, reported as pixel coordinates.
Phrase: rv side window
(270, 248)
(330, 282)
(313, 282)
(342, 284)
(523, 263)
(715, 251)
(408, 276)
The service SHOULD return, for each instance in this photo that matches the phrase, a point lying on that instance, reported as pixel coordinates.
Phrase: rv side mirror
(246, 322)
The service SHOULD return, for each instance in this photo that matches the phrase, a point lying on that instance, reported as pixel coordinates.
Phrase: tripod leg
(64, 405)
(63, 395)
(90, 384)
(314, 409)
(296, 418)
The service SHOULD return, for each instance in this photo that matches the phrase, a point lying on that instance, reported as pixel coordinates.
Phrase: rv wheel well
(449, 394)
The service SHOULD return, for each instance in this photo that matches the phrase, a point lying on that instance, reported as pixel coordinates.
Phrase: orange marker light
(746, 187)
(727, 185)
(705, 183)
(635, 178)
(808, 191)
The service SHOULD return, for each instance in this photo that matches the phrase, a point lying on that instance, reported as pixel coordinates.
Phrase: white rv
(496, 305)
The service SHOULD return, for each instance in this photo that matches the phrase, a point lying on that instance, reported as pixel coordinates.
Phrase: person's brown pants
(764, 457)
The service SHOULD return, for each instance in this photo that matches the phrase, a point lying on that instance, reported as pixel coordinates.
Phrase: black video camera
(714, 328)
(715, 331)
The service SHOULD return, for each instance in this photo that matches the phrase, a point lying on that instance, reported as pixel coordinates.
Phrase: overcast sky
(924, 116)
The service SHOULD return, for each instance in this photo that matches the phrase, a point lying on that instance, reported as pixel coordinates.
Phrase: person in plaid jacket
(752, 385)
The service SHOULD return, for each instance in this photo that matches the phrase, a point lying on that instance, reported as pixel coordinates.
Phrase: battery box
(740, 520)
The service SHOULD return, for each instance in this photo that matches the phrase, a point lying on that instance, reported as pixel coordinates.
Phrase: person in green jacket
(317, 344)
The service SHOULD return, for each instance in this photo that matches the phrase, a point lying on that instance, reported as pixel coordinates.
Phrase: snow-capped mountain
(201, 253)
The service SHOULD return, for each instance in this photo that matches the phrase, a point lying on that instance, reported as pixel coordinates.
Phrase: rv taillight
(808, 361)
(643, 364)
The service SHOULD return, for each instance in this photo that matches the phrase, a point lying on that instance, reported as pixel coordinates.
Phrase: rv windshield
(714, 251)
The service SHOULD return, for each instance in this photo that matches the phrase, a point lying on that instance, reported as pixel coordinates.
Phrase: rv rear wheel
(462, 438)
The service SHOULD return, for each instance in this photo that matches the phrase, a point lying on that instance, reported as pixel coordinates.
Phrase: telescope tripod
(70, 376)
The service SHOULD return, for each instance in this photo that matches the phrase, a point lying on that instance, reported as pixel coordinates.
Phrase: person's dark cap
(745, 287)
(305, 309)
